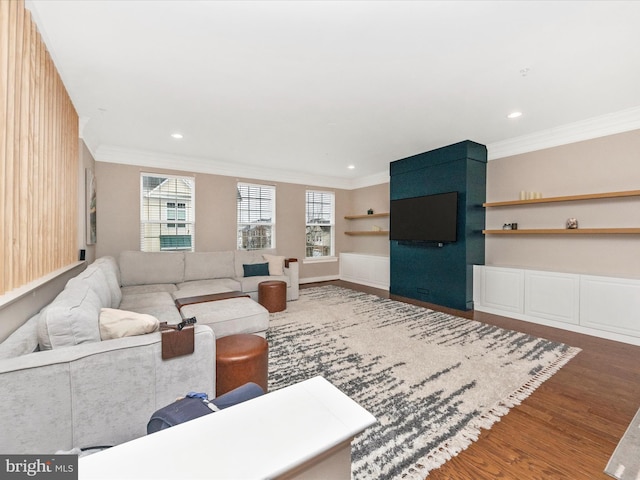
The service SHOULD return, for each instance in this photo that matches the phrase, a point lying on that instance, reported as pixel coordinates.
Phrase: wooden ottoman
(272, 295)
(240, 359)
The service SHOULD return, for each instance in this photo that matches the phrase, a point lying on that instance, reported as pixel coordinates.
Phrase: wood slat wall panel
(39, 156)
(4, 91)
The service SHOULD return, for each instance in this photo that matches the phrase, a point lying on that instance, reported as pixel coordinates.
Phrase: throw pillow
(256, 269)
(276, 264)
(121, 323)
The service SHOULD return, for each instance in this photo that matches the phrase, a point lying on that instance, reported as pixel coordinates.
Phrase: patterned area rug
(432, 380)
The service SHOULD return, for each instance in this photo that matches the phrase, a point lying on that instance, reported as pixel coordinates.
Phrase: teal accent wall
(441, 274)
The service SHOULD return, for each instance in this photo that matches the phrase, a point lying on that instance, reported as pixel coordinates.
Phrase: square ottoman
(230, 316)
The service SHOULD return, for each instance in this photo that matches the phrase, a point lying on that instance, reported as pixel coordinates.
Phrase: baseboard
(326, 278)
(365, 282)
(618, 337)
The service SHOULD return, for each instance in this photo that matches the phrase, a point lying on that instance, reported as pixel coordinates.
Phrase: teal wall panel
(441, 274)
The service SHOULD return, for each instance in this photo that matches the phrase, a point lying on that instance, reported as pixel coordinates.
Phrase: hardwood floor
(569, 427)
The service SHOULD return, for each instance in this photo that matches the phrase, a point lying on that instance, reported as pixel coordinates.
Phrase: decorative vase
(572, 223)
(370, 211)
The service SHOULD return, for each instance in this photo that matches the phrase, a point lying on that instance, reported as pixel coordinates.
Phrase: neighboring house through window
(166, 200)
(320, 223)
(256, 210)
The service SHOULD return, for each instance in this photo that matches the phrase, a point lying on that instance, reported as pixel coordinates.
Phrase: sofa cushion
(202, 266)
(159, 304)
(116, 323)
(135, 301)
(21, 342)
(109, 267)
(71, 319)
(151, 288)
(95, 278)
(206, 287)
(247, 257)
(143, 268)
(256, 269)
(163, 314)
(276, 264)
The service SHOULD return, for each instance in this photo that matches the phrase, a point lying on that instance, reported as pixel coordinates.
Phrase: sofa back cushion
(109, 267)
(144, 268)
(71, 319)
(248, 257)
(208, 265)
(21, 342)
(96, 280)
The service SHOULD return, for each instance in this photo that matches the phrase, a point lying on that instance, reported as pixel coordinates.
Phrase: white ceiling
(297, 91)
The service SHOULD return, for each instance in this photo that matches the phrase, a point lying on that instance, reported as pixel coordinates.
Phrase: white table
(302, 431)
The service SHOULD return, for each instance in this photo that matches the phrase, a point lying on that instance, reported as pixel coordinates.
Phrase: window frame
(332, 225)
(172, 207)
(240, 243)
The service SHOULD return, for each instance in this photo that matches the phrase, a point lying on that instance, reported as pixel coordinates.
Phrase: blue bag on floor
(196, 405)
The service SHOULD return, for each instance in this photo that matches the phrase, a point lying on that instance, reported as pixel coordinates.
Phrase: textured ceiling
(308, 88)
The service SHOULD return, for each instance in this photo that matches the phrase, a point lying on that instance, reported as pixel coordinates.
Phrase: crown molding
(610, 124)
(143, 158)
(370, 180)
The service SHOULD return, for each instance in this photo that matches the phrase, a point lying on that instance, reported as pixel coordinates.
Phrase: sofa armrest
(100, 393)
(291, 269)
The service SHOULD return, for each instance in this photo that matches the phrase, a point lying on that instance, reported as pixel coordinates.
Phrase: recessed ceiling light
(177, 136)
(514, 115)
(351, 167)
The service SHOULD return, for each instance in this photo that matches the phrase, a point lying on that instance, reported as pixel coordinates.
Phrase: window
(320, 208)
(256, 216)
(164, 201)
(176, 214)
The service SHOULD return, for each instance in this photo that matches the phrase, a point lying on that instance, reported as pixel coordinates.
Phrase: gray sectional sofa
(63, 387)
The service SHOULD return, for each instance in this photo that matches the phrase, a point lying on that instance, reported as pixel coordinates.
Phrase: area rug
(432, 380)
(625, 461)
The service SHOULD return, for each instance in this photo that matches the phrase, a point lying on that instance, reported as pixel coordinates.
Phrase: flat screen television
(430, 218)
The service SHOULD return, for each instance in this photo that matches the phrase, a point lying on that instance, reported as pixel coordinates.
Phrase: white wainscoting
(553, 296)
(610, 304)
(605, 307)
(365, 269)
(502, 289)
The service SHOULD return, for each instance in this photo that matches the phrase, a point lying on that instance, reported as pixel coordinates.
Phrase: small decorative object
(370, 211)
(514, 226)
(572, 223)
(530, 195)
(376, 228)
(506, 226)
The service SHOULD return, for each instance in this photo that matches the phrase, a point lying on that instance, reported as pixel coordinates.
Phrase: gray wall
(119, 216)
(600, 165)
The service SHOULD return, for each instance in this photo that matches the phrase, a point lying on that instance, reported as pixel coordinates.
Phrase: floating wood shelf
(564, 231)
(570, 198)
(368, 232)
(373, 215)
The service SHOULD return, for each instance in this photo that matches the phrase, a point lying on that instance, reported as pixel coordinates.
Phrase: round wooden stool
(240, 359)
(272, 295)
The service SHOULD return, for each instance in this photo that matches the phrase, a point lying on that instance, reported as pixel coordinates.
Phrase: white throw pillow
(121, 323)
(276, 264)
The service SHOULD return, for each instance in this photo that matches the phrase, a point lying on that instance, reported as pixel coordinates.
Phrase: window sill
(320, 259)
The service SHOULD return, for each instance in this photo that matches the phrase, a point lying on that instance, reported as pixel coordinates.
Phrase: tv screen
(430, 218)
